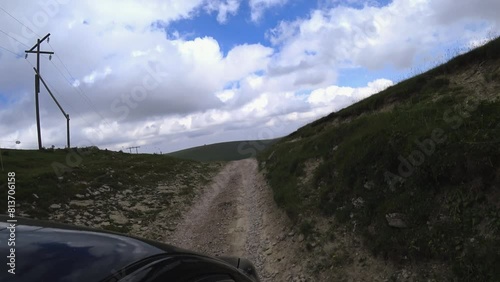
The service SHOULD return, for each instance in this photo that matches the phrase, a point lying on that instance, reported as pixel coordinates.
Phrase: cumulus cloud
(258, 7)
(135, 81)
(223, 8)
(374, 36)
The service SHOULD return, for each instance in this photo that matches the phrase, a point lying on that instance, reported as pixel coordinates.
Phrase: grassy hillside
(227, 151)
(51, 177)
(422, 155)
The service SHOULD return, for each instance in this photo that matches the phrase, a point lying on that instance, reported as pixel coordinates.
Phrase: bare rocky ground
(144, 211)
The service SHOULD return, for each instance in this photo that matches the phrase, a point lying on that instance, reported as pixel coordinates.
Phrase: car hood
(69, 254)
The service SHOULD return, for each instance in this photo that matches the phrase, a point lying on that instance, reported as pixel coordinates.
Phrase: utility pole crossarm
(39, 41)
(41, 52)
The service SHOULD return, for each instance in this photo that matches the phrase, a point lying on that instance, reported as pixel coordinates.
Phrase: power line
(88, 100)
(73, 88)
(17, 55)
(79, 91)
(19, 21)
(14, 38)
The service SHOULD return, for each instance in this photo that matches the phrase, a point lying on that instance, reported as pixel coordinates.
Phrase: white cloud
(374, 37)
(148, 87)
(327, 97)
(258, 7)
(224, 8)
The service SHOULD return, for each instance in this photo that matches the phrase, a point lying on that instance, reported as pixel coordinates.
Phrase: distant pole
(37, 83)
(130, 149)
(67, 125)
(1, 160)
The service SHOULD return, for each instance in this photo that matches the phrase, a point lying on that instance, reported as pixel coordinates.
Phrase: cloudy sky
(171, 74)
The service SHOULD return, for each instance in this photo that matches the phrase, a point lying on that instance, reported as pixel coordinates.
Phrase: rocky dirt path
(236, 215)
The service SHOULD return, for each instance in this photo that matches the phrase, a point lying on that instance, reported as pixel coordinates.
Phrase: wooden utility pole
(57, 103)
(37, 82)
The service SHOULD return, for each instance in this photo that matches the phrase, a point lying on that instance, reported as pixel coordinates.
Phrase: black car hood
(69, 255)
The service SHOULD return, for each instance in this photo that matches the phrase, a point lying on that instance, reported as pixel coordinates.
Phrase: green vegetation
(228, 151)
(56, 176)
(426, 148)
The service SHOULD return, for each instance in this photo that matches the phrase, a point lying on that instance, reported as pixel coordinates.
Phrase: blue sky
(217, 70)
(239, 28)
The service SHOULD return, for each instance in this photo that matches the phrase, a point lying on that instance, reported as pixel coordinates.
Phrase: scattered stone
(55, 206)
(84, 203)
(141, 208)
(36, 196)
(396, 220)
(79, 196)
(124, 203)
(357, 203)
(369, 185)
(118, 217)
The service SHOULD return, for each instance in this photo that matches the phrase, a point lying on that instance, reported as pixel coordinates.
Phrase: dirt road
(236, 215)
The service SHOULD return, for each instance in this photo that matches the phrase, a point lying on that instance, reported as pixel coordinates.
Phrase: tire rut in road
(236, 215)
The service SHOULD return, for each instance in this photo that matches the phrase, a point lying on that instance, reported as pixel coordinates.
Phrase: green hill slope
(227, 151)
(413, 171)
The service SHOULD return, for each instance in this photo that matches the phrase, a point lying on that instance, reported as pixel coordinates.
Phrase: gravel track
(236, 215)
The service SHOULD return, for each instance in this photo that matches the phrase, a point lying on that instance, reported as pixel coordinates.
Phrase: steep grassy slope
(422, 155)
(51, 177)
(227, 151)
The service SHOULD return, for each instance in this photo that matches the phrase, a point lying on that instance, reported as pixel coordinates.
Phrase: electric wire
(14, 38)
(19, 21)
(77, 88)
(12, 52)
